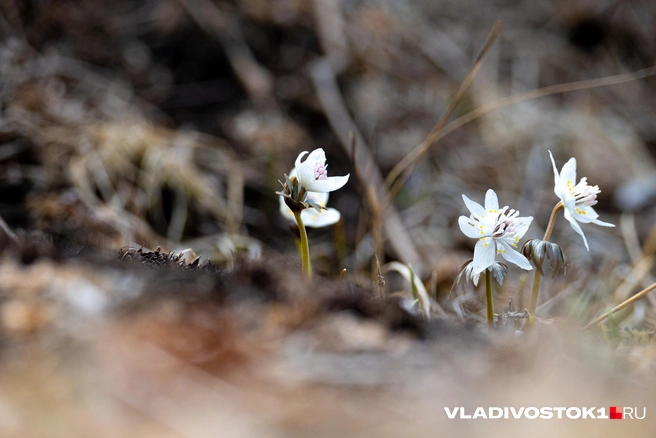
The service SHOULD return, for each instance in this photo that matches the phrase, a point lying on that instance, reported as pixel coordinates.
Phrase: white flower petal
(469, 229)
(559, 190)
(285, 211)
(318, 197)
(585, 215)
(305, 170)
(569, 202)
(298, 163)
(524, 224)
(484, 253)
(588, 215)
(469, 274)
(513, 256)
(475, 278)
(601, 224)
(555, 169)
(317, 155)
(474, 207)
(568, 172)
(491, 201)
(572, 220)
(313, 219)
(329, 184)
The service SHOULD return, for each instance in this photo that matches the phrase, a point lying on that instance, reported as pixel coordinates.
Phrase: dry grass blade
(381, 279)
(257, 81)
(394, 180)
(622, 305)
(422, 148)
(7, 230)
(334, 107)
(366, 196)
(638, 275)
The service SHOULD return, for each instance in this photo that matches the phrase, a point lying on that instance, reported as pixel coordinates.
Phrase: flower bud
(295, 196)
(499, 271)
(538, 250)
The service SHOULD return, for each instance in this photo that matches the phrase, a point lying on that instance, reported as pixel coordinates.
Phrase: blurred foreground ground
(118, 351)
(168, 123)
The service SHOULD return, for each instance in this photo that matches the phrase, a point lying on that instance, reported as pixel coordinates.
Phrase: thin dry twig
(630, 237)
(7, 230)
(334, 107)
(363, 219)
(637, 276)
(369, 197)
(256, 80)
(423, 147)
(404, 167)
(622, 305)
(381, 279)
(331, 31)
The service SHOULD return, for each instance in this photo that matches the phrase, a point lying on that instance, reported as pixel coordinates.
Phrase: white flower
(311, 217)
(578, 199)
(313, 173)
(498, 232)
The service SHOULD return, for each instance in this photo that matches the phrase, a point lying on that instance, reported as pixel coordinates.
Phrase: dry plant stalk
(622, 305)
(341, 123)
(638, 272)
(368, 197)
(400, 173)
(423, 147)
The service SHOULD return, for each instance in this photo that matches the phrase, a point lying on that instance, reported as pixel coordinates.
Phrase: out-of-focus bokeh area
(168, 123)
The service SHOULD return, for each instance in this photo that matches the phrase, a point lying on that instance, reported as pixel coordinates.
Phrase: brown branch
(340, 121)
(622, 305)
(220, 23)
(8, 231)
(419, 151)
(404, 167)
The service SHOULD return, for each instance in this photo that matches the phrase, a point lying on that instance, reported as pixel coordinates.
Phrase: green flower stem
(533, 305)
(488, 296)
(304, 247)
(534, 298)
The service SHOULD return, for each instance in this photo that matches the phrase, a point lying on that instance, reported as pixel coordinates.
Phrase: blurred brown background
(168, 123)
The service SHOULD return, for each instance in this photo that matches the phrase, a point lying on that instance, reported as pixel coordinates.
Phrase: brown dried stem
(423, 147)
(404, 167)
(622, 305)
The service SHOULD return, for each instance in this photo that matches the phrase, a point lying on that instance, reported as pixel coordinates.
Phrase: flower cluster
(497, 230)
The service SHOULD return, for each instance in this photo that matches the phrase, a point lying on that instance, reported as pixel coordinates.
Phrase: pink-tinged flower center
(584, 194)
(320, 171)
(505, 224)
